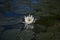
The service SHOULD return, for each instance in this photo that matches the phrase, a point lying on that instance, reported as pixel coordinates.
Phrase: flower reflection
(29, 26)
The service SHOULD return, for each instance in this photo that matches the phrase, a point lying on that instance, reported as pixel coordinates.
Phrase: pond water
(12, 27)
(18, 32)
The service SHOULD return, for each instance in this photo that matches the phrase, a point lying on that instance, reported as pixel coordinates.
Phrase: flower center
(29, 19)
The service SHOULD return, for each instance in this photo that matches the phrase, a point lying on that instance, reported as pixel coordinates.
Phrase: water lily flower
(29, 19)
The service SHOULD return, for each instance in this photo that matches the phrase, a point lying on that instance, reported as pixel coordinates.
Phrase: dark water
(11, 18)
(10, 21)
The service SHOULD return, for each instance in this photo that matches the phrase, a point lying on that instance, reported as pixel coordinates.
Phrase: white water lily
(29, 19)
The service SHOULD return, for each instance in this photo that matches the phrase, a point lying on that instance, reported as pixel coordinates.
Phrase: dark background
(47, 27)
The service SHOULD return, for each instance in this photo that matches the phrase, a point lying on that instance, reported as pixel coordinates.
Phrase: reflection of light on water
(29, 26)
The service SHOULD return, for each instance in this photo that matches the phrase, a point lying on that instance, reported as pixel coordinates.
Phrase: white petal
(29, 15)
